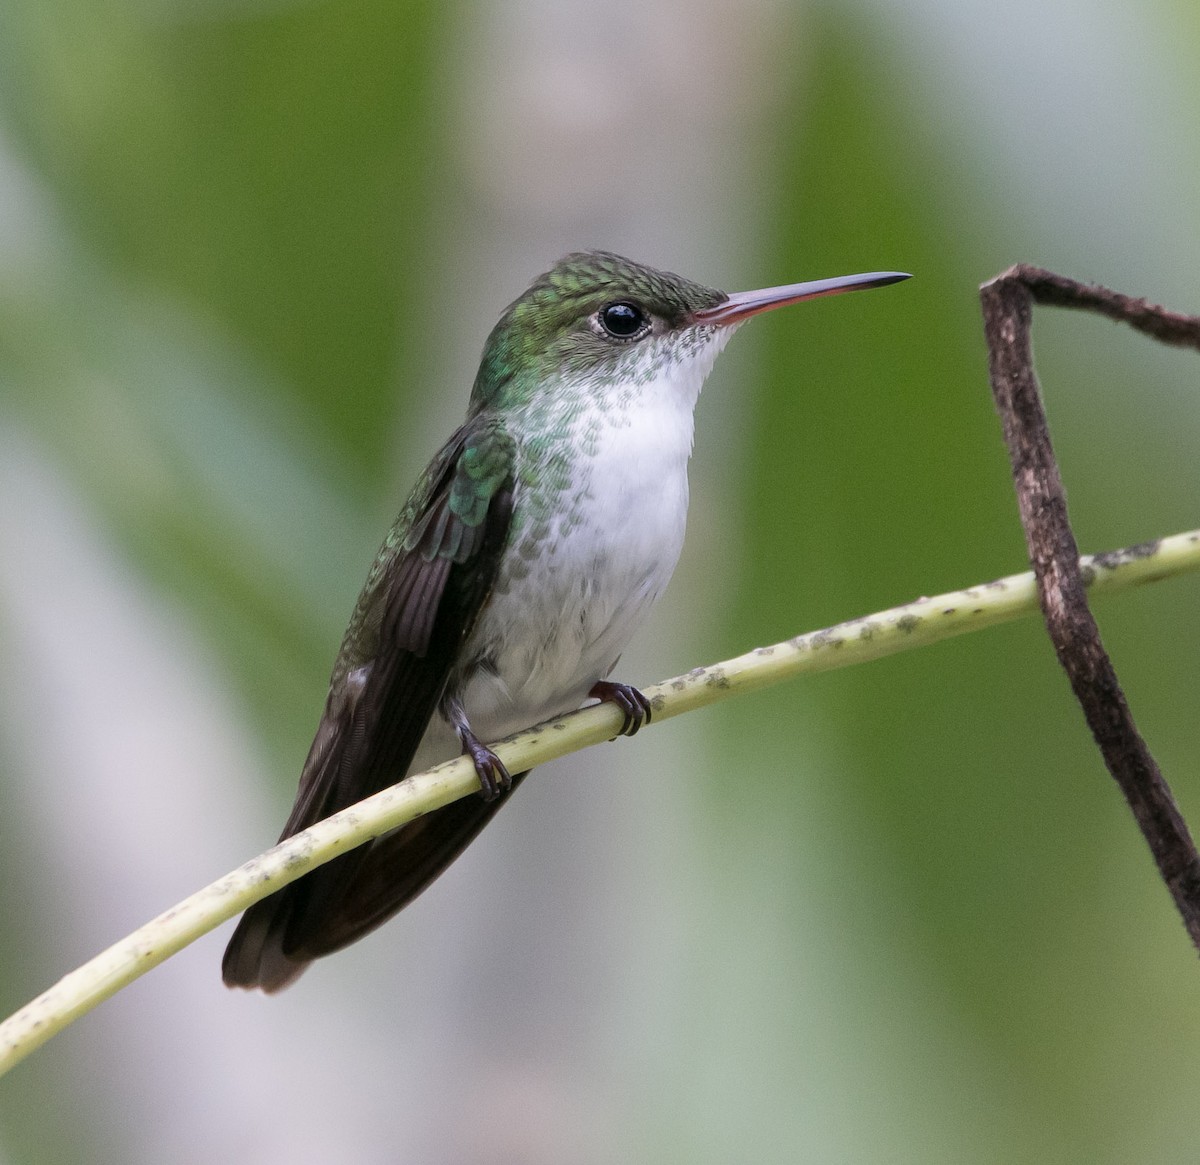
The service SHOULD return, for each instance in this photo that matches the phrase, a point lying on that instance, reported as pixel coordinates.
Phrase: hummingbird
(525, 559)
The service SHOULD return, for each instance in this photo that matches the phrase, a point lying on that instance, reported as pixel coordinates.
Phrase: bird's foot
(634, 705)
(494, 778)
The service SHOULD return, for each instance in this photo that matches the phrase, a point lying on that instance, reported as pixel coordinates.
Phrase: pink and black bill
(741, 305)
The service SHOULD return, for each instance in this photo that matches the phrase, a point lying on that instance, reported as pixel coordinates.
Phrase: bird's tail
(337, 904)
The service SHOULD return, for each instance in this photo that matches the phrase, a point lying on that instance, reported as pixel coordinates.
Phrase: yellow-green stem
(916, 624)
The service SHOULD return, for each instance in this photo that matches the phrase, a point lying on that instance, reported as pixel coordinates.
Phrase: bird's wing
(423, 596)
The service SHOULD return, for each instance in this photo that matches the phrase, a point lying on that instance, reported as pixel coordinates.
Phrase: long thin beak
(741, 305)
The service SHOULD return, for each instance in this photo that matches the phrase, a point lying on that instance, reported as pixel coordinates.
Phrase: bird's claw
(494, 778)
(633, 703)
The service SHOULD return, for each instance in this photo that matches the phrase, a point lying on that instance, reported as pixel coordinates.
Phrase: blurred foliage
(268, 166)
(879, 474)
(921, 926)
(216, 353)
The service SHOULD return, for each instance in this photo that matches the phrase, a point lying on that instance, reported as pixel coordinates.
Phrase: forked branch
(1007, 312)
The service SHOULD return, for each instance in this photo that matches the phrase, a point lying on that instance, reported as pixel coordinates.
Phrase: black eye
(622, 320)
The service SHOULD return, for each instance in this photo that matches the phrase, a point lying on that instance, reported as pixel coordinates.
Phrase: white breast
(605, 561)
(561, 616)
(555, 631)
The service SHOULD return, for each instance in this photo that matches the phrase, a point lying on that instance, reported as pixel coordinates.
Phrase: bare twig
(1007, 311)
(1053, 290)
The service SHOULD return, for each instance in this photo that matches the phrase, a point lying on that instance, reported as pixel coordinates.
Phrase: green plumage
(539, 334)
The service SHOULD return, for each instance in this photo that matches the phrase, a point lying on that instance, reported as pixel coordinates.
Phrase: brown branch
(1007, 310)
(1053, 290)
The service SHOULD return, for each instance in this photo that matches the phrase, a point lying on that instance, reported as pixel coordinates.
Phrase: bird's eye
(622, 321)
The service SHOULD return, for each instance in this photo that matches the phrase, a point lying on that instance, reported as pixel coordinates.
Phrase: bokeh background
(249, 251)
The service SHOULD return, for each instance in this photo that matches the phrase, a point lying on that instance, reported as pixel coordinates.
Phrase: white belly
(561, 616)
(595, 562)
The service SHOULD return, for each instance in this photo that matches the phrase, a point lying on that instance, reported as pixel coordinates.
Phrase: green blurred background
(249, 250)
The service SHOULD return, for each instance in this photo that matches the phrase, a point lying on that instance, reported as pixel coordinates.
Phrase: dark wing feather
(420, 603)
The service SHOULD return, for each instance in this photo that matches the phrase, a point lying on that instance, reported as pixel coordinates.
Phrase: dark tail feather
(279, 936)
(254, 956)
